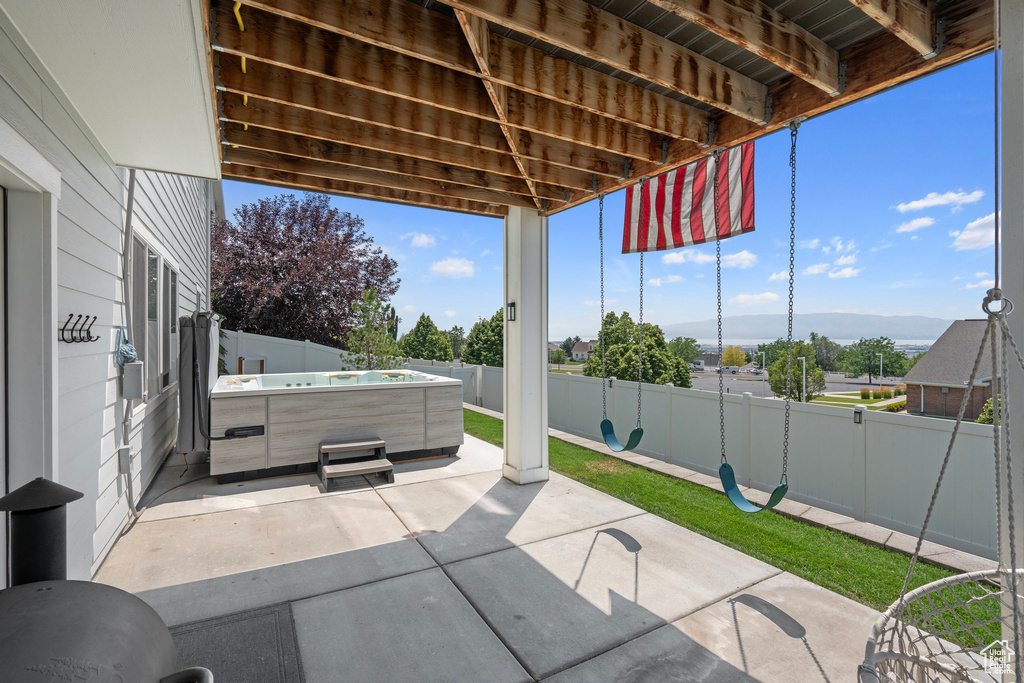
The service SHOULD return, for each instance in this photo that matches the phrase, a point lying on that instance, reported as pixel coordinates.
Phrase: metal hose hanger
(725, 470)
(607, 428)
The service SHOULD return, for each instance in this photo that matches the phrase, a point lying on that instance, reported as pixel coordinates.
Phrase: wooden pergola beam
(275, 116)
(912, 21)
(592, 32)
(389, 73)
(369, 176)
(875, 65)
(384, 194)
(476, 36)
(758, 28)
(348, 155)
(418, 32)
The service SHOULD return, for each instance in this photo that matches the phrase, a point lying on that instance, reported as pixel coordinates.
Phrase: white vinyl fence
(277, 355)
(882, 471)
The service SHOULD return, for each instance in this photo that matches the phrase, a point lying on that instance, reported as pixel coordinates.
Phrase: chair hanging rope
(725, 471)
(607, 428)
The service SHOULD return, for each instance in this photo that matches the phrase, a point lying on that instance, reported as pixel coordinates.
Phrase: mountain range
(832, 325)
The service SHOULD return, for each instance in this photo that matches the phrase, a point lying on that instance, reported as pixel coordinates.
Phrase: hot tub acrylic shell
(416, 414)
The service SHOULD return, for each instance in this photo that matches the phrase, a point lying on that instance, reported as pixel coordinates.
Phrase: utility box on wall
(133, 385)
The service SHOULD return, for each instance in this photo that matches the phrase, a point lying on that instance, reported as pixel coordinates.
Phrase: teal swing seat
(612, 441)
(732, 489)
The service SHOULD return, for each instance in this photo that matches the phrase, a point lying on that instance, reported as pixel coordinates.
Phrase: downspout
(126, 257)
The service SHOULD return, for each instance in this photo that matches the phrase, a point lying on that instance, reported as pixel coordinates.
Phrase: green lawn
(864, 573)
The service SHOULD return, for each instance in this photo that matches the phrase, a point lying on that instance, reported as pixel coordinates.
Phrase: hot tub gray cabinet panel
(299, 423)
(407, 418)
(238, 455)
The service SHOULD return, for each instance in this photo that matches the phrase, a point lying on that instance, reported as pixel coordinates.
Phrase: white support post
(526, 376)
(1012, 257)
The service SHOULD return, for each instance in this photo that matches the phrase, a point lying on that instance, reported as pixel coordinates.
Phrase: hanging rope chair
(607, 428)
(725, 471)
(950, 630)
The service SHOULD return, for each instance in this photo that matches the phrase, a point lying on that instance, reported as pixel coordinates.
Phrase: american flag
(676, 209)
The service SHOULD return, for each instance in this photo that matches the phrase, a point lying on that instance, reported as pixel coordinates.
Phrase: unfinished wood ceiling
(478, 105)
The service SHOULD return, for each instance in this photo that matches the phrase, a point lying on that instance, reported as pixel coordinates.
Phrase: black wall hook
(78, 332)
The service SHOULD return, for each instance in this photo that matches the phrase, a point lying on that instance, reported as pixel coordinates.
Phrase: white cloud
(699, 275)
(816, 269)
(448, 314)
(809, 244)
(420, 240)
(687, 256)
(753, 299)
(981, 274)
(781, 275)
(839, 246)
(984, 283)
(668, 279)
(960, 277)
(743, 259)
(913, 237)
(595, 302)
(845, 273)
(453, 267)
(915, 224)
(880, 247)
(954, 199)
(977, 235)
(847, 260)
(485, 252)
(408, 309)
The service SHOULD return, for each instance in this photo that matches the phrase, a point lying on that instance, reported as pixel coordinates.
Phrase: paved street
(758, 384)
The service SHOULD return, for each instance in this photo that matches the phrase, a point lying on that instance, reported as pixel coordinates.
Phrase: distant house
(552, 347)
(936, 384)
(582, 350)
(709, 359)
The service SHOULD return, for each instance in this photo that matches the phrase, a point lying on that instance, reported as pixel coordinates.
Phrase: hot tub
(416, 414)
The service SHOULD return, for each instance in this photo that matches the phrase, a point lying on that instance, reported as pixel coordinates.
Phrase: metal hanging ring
(1006, 305)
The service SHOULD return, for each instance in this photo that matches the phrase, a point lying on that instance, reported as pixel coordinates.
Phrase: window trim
(151, 246)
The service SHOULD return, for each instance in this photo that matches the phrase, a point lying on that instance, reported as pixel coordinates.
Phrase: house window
(169, 329)
(154, 291)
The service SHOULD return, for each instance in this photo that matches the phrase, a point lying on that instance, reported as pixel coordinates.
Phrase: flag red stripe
(723, 220)
(677, 194)
(747, 187)
(627, 232)
(697, 198)
(660, 209)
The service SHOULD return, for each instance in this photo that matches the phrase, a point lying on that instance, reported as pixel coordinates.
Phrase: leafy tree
(734, 355)
(912, 361)
(557, 356)
(622, 337)
(862, 358)
(815, 375)
(772, 351)
(568, 344)
(293, 268)
(826, 351)
(485, 344)
(425, 341)
(393, 321)
(986, 415)
(369, 340)
(457, 338)
(685, 348)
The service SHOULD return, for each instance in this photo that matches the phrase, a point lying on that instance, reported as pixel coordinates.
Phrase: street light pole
(764, 373)
(803, 386)
(879, 367)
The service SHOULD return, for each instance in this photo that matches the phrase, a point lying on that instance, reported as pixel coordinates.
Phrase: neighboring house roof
(552, 347)
(951, 358)
(581, 347)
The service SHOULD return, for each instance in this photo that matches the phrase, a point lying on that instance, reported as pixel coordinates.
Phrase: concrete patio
(455, 574)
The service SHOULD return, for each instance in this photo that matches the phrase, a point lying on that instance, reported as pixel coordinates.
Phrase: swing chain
(640, 348)
(718, 273)
(793, 127)
(600, 236)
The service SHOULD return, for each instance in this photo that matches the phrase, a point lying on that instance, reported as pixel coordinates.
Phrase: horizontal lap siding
(172, 215)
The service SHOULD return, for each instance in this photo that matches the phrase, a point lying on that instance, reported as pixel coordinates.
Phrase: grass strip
(870, 575)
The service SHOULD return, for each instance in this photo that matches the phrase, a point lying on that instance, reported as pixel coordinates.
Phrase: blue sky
(894, 217)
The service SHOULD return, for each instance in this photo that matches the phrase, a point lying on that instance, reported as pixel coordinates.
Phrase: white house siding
(171, 216)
